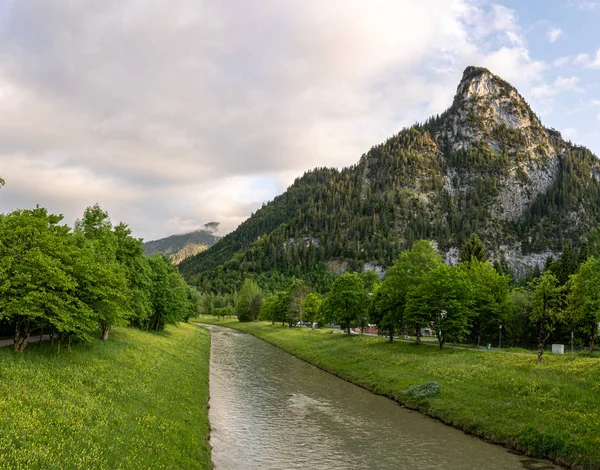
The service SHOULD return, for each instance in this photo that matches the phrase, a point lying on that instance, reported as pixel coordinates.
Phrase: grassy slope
(136, 401)
(550, 410)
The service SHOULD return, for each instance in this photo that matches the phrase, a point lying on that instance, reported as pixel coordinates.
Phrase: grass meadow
(136, 401)
(548, 410)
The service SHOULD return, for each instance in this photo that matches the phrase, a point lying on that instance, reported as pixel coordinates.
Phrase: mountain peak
(485, 104)
(473, 71)
(479, 82)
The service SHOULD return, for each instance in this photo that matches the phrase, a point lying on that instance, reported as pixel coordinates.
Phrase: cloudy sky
(174, 113)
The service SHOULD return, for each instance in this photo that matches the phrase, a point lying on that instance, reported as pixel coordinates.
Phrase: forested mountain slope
(486, 165)
(180, 247)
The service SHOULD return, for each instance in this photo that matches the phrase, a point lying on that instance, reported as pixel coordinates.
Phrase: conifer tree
(473, 248)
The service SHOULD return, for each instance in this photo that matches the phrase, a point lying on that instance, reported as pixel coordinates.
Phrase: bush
(427, 390)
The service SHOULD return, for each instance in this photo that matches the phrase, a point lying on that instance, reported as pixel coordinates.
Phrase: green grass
(549, 410)
(137, 401)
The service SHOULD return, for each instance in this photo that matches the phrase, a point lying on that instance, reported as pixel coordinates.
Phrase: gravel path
(32, 339)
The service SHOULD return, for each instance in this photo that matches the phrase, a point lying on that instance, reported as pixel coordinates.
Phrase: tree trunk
(391, 334)
(541, 341)
(418, 335)
(592, 343)
(105, 333)
(22, 344)
(22, 332)
(348, 327)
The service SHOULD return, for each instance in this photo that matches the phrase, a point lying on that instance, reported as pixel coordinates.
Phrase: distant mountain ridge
(181, 247)
(486, 165)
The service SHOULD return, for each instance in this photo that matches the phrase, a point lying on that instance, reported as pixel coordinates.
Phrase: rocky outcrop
(523, 186)
(485, 107)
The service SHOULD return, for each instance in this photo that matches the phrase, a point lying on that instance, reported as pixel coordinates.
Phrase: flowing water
(270, 410)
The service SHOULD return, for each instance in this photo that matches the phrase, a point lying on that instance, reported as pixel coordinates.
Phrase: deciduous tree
(346, 300)
(407, 273)
(442, 300)
(584, 299)
(545, 307)
(490, 296)
(249, 301)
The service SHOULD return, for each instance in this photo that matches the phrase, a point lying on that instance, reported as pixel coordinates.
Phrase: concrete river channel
(270, 410)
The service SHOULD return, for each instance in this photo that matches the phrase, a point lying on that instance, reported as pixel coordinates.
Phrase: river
(270, 410)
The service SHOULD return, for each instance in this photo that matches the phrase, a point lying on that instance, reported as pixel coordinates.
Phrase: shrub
(427, 390)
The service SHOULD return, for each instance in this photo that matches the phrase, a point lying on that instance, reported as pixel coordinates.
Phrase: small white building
(426, 332)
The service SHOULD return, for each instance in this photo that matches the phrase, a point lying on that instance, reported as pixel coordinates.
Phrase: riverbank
(549, 410)
(138, 400)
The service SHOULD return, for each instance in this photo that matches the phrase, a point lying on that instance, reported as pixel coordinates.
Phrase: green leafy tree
(473, 248)
(138, 274)
(566, 265)
(269, 309)
(592, 241)
(489, 299)
(249, 303)
(517, 321)
(347, 300)
(584, 298)
(381, 314)
(407, 273)
(583, 254)
(104, 286)
(227, 311)
(370, 280)
(297, 292)
(169, 294)
(545, 307)
(38, 286)
(443, 301)
(312, 307)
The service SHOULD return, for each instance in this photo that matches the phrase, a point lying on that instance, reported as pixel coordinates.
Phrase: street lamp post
(441, 334)
(500, 339)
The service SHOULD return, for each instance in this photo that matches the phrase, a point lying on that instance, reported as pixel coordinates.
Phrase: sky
(171, 114)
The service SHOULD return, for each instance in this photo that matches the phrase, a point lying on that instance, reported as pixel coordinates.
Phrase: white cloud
(581, 59)
(178, 113)
(587, 5)
(595, 63)
(553, 33)
(561, 84)
(561, 61)
(585, 60)
(583, 5)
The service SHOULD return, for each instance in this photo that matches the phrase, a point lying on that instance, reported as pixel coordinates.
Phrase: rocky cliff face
(489, 111)
(491, 137)
(485, 104)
